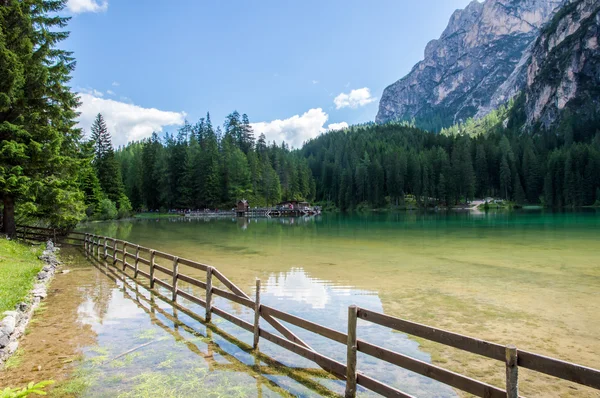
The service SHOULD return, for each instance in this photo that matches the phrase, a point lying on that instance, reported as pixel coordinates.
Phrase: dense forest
(205, 167)
(367, 166)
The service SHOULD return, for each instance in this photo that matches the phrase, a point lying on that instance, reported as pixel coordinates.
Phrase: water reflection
(298, 286)
(146, 344)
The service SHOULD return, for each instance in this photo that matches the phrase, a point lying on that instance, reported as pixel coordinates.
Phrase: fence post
(114, 250)
(208, 294)
(105, 249)
(124, 256)
(512, 372)
(85, 244)
(151, 269)
(351, 353)
(54, 235)
(256, 315)
(137, 260)
(175, 277)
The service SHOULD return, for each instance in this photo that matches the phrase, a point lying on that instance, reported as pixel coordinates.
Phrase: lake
(527, 278)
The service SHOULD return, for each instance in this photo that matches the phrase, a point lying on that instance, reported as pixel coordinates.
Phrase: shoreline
(14, 322)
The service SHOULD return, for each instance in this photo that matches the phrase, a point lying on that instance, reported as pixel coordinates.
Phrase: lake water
(525, 278)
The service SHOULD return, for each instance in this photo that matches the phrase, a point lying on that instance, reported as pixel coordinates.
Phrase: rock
(4, 340)
(65, 271)
(22, 307)
(14, 314)
(478, 63)
(7, 326)
(563, 72)
(12, 347)
(40, 292)
(42, 275)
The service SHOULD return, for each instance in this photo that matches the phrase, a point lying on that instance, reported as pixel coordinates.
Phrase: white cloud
(110, 92)
(354, 99)
(126, 122)
(315, 82)
(296, 129)
(116, 84)
(80, 6)
(338, 126)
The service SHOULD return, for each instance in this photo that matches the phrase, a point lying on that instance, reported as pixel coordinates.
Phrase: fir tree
(38, 142)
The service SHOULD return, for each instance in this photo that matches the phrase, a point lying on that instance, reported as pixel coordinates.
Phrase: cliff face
(564, 69)
(478, 63)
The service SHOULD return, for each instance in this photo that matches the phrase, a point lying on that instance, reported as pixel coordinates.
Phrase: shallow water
(526, 278)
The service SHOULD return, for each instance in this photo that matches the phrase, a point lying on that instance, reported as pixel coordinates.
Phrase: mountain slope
(564, 70)
(477, 64)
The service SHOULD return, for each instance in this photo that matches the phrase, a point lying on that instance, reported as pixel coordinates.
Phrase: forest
(366, 167)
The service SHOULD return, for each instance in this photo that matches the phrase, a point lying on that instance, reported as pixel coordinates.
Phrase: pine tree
(105, 163)
(38, 142)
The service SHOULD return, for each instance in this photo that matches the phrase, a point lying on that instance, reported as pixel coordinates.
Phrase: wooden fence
(110, 249)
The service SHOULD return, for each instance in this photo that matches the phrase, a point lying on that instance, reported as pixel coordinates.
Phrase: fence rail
(512, 357)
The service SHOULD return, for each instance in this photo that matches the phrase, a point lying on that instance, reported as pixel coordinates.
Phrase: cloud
(315, 82)
(296, 129)
(356, 98)
(116, 84)
(126, 122)
(110, 92)
(338, 126)
(81, 6)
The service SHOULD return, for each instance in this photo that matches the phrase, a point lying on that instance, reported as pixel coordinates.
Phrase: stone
(14, 314)
(7, 326)
(4, 340)
(65, 271)
(22, 307)
(42, 275)
(39, 292)
(12, 347)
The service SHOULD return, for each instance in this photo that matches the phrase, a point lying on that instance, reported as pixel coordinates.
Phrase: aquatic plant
(31, 388)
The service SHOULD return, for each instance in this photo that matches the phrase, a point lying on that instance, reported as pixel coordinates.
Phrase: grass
(19, 264)
(15, 360)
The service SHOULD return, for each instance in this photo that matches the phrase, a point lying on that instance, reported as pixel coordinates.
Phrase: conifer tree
(38, 142)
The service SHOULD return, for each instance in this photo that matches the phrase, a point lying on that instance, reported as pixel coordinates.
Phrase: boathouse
(242, 207)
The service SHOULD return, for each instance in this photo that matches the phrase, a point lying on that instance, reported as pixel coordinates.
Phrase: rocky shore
(13, 323)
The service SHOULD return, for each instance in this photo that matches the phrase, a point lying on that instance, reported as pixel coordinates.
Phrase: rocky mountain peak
(462, 70)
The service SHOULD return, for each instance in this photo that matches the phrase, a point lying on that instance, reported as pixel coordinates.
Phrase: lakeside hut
(242, 207)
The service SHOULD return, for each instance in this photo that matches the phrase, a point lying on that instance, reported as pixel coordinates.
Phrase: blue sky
(295, 67)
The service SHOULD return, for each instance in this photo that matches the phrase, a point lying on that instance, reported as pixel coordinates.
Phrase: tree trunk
(8, 217)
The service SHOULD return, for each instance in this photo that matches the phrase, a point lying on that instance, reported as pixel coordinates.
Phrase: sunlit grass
(19, 264)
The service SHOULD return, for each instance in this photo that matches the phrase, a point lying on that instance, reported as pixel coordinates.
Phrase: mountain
(478, 63)
(563, 74)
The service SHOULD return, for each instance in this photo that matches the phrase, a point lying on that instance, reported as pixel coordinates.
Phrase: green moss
(19, 263)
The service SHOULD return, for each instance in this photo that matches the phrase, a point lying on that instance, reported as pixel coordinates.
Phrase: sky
(296, 68)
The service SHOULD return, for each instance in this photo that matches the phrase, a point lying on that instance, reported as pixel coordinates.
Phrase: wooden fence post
(512, 372)
(114, 250)
(54, 235)
(124, 256)
(85, 244)
(208, 294)
(351, 353)
(137, 260)
(151, 269)
(256, 315)
(175, 277)
(105, 249)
